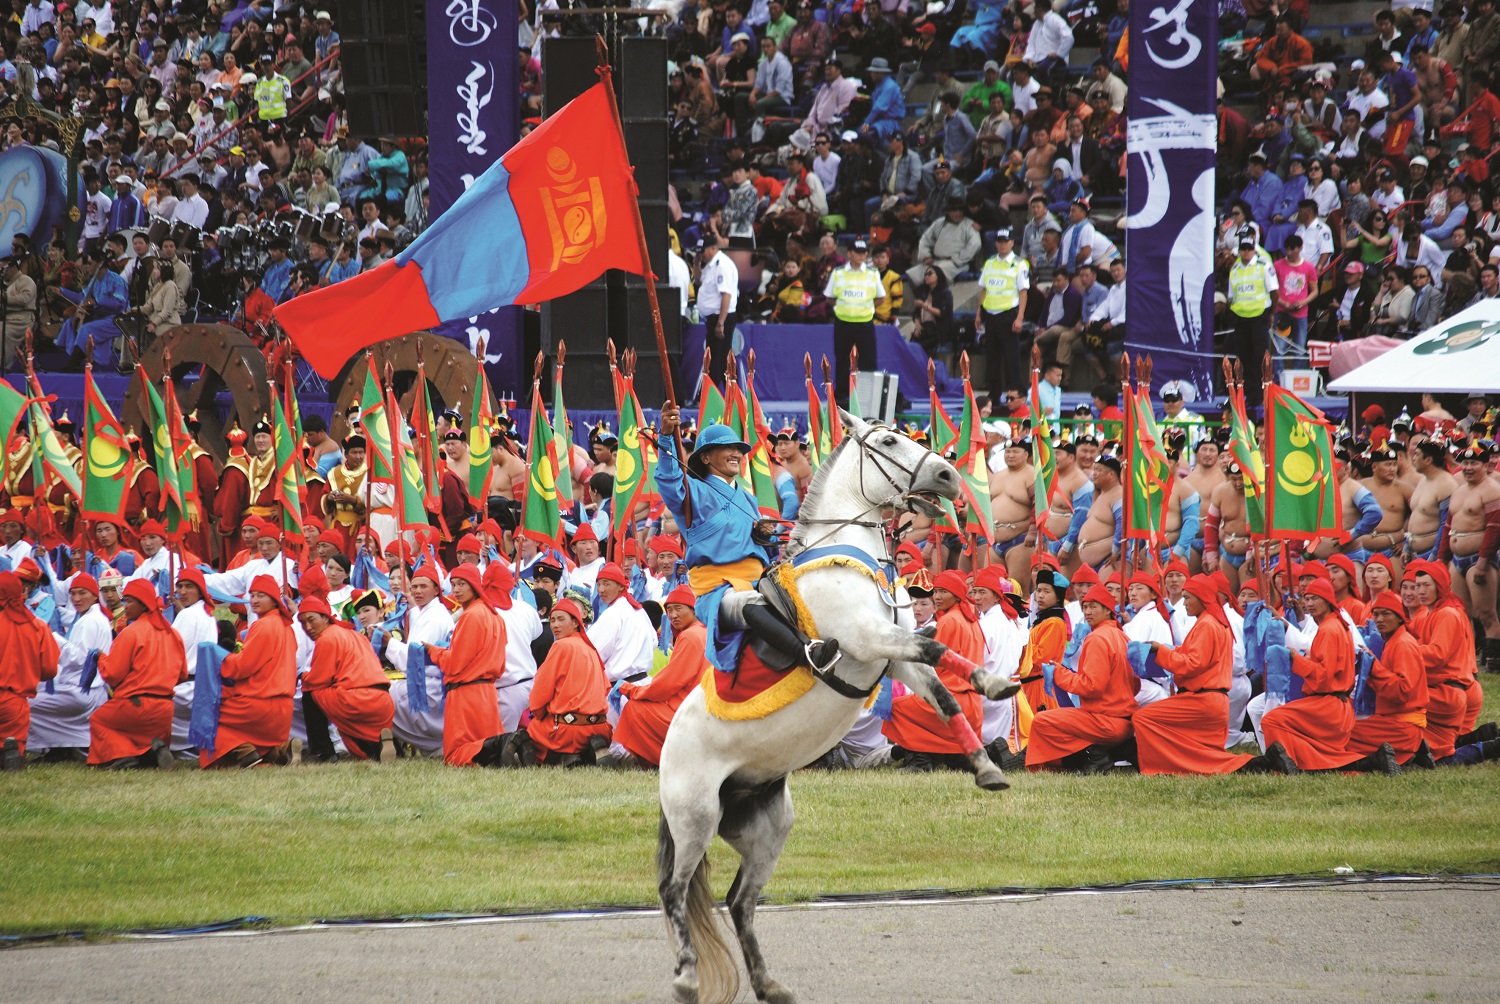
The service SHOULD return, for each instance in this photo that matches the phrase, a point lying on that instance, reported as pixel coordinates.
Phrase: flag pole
(607, 76)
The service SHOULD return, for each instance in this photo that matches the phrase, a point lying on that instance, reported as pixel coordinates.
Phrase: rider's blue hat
(718, 435)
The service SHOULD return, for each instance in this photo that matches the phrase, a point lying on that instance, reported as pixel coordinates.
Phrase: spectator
(1296, 285)
(1427, 300)
(1392, 315)
(949, 244)
(1281, 56)
(1355, 303)
(1050, 41)
(932, 325)
(976, 100)
(887, 105)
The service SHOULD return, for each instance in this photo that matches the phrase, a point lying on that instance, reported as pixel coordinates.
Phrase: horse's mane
(813, 498)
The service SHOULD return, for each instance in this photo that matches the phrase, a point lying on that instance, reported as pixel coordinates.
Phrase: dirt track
(1373, 943)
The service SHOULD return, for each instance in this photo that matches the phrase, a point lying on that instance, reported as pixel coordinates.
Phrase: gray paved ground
(1372, 943)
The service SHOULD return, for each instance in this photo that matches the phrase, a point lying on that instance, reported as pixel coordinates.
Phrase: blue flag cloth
(1052, 690)
(1363, 697)
(366, 575)
(162, 580)
(1281, 680)
(5, 564)
(90, 672)
(416, 680)
(881, 709)
(615, 698)
(1070, 653)
(524, 593)
(1144, 663)
(208, 692)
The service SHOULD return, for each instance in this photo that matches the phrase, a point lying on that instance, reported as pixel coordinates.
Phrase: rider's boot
(765, 622)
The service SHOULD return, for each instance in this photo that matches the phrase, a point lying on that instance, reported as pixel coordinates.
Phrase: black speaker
(646, 145)
(581, 320)
(383, 57)
(643, 78)
(642, 338)
(567, 70)
(655, 220)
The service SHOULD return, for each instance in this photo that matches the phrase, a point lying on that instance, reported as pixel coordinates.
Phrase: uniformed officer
(855, 288)
(718, 295)
(1005, 279)
(1251, 283)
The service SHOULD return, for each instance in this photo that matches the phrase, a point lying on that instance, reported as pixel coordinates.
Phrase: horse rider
(727, 543)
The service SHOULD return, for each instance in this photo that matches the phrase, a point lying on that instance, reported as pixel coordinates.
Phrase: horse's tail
(718, 975)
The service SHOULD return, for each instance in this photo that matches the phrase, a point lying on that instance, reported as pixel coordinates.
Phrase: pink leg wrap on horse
(964, 733)
(957, 663)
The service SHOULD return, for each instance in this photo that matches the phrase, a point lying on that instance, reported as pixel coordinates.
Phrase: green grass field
(97, 852)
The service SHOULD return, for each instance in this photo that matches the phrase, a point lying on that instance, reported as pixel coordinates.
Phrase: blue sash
(90, 672)
(1143, 663)
(416, 680)
(208, 692)
(1281, 680)
(1052, 690)
(884, 697)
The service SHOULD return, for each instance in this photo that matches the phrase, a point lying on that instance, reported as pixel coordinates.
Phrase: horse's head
(893, 469)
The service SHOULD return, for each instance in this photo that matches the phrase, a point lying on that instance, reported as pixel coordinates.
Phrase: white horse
(730, 777)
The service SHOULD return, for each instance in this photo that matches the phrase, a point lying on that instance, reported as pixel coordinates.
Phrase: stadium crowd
(493, 647)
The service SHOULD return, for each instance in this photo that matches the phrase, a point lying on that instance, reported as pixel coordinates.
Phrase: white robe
(430, 625)
(236, 581)
(1004, 642)
(1148, 625)
(583, 575)
(624, 639)
(161, 560)
(195, 625)
(16, 552)
(61, 719)
(523, 625)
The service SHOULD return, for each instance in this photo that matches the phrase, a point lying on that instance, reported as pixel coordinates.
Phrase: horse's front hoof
(685, 989)
(775, 993)
(996, 687)
(991, 778)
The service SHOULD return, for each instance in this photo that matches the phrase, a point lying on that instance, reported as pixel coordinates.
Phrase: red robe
(259, 681)
(643, 723)
(570, 680)
(1315, 728)
(1447, 640)
(1105, 686)
(142, 667)
(230, 500)
(471, 664)
(143, 499)
(28, 656)
(1185, 734)
(1400, 683)
(206, 479)
(346, 681)
(914, 725)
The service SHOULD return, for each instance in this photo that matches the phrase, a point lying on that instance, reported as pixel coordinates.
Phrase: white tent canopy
(1461, 355)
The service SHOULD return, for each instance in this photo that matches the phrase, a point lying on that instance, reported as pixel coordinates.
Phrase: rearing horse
(729, 777)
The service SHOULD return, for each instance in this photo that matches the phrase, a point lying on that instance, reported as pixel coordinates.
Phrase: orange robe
(1049, 640)
(570, 681)
(143, 665)
(471, 664)
(346, 681)
(259, 681)
(1447, 640)
(28, 656)
(643, 723)
(1315, 728)
(914, 725)
(1105, 686)
(1185, 734)
(1400, 683)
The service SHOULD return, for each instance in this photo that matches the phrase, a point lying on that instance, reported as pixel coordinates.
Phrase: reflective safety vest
(270, 97)
(1248, 296)
(856, 290)
(1002, 281)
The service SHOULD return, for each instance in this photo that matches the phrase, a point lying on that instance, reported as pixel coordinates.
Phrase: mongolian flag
(429, 450)
(974, 468)
(766, 497)
(1246, 453)
(182, 457)
(481, 421)
(1146, 470)
(630, 469)
(562, 440)
(290, 487)
(539, 516)
(410, 507)
(108, 463)
(12, 408)
(173, 499)
(377, 429)
(1302, 494)
(1042, 460)
(547, 218)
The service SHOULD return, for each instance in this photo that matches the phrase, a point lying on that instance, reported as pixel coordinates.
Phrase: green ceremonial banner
(630, 470)
(182, 458)
(944, 434)
(766, 497)
(1246, 453)
(50, 455)
(1302, 493)
(410, 507)
(174, 504)
(540, 520)
(12, 407)
(562, 443)
(107, 460)
(481, 456)
(1042, 460)
(974, 468)
(1147, 470)
(290, 487)
(815, 452)
(377, 428)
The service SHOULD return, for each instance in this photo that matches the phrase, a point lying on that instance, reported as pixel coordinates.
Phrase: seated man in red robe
(472, 662)
(255, 714)
(1185, 733)
(919, 738)
(1400, 683)
(345, 686)
(1447, 638)
(569, 722)
(1085, 738)
(28, 656)
(143, 667)
(1314, 729)
(644, 720)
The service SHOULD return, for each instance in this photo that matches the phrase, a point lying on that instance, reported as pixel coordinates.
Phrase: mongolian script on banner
(1170, 167)
(473, 79)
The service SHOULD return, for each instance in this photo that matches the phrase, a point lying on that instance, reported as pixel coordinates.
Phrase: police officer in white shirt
(718, 296)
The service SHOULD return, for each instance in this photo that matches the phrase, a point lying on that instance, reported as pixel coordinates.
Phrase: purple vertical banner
(473, 96)
(1170, 147)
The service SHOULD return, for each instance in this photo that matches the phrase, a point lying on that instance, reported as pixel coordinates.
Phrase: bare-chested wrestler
(1205, 476)
(1470, 542)
(1070, 506)
(1226, 533)
(1099, 540)
(1012, 489)
(1429, 499)
(1389, 535)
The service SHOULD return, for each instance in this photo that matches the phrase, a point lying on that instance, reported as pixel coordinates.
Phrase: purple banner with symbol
(473, 85)
(1169, 237)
